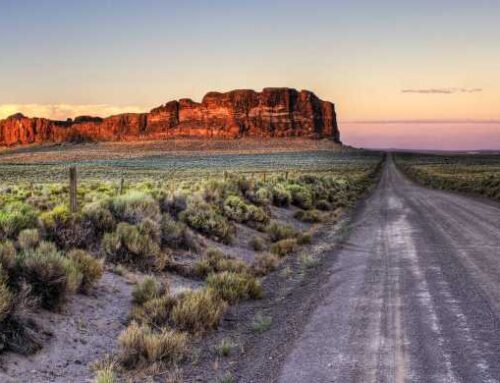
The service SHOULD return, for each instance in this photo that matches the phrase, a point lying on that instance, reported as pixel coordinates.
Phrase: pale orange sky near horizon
(377, 61)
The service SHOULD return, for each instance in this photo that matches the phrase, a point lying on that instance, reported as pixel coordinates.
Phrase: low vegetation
(142, 347)
(216, 261)
(198, 311)
(473, 174)
(48, 253)
(233, 287)
(261, 323)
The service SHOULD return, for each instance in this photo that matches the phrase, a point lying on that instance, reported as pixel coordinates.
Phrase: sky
(413, 74)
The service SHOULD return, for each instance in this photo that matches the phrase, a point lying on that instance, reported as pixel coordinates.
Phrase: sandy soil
(88, 328)
(84, 332)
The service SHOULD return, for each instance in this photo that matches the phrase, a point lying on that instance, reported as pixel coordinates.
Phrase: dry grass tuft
(198, 311)
(233, 287)
(141, 347)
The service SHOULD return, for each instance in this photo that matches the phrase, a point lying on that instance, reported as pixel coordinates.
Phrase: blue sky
(133, 55)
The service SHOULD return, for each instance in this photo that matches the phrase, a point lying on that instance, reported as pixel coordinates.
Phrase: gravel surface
(413, 294)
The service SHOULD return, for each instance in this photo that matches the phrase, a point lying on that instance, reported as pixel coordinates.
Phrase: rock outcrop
(274, 112)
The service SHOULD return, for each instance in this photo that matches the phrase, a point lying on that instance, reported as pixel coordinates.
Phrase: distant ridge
(274, 112)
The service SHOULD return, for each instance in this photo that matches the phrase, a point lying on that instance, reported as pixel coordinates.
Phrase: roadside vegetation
(48, 254)
(473, 174)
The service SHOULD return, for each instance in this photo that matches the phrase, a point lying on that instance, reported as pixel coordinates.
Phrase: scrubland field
(168, 160)
(468, 173)
(133, 285)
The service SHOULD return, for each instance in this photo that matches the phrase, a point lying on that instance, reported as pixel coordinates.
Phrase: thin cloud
(442, 90)
(64, 111)
(423, 121)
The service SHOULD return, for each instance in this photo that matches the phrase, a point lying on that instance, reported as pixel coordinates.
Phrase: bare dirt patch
(84, 332)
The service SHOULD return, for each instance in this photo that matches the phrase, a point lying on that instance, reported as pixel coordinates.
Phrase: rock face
(274, 112)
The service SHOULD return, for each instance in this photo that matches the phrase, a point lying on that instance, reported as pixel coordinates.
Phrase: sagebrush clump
(142, 347)
(198, 310)
(278, 231)
(90, 268)
(15, 217)
(148, 289)
(233, 287)
(132, 244)
(284, 247)
(216, 261)
(204, 218)
(51, 275)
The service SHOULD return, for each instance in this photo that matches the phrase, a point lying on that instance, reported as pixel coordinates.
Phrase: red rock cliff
(274, 112)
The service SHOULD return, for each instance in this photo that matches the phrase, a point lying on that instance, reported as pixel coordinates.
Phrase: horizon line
(423, 121)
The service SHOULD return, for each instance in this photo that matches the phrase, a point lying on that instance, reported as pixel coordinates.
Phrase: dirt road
(414, 295)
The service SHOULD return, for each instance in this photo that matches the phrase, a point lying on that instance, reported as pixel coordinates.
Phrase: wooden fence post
(265, 173)
(73, 205)
(120, 189)
(286, 175)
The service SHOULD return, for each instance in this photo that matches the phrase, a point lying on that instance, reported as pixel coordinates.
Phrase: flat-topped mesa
(274, 112)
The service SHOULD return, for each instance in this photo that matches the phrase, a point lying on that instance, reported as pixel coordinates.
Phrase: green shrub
(198, 310)
(99, 216)
(308, 179)
(257, 243)
(28, 238)
(142, 347)
(264, 264)
(7, 255)
(90, 268)
(155, 311)
(202, 217)
(176, 235)
(257, 215)
(106, 373)
(233, 287)
(281, 196)
(263, 196)
(261, 323)
(310, 216)
(216, 190)
(6, 303)
(323, 205)
(51, 276)
(304, 239)
(17, 332)
(111, 244)
(236, 209)
(174, 204)
(67, 229)
(284, 247)
(224, 347)
(301, 196)
(133, 245)
(148, 289)
(277, 231)
(308, 261)
(134, 207)
(151, 229)
(58, 215)
(15, 217)
(216, 261)
(245, 185)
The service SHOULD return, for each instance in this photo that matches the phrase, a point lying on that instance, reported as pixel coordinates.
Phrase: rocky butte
(274, 112)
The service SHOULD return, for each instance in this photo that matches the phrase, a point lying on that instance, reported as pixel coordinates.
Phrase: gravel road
(414, 295)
